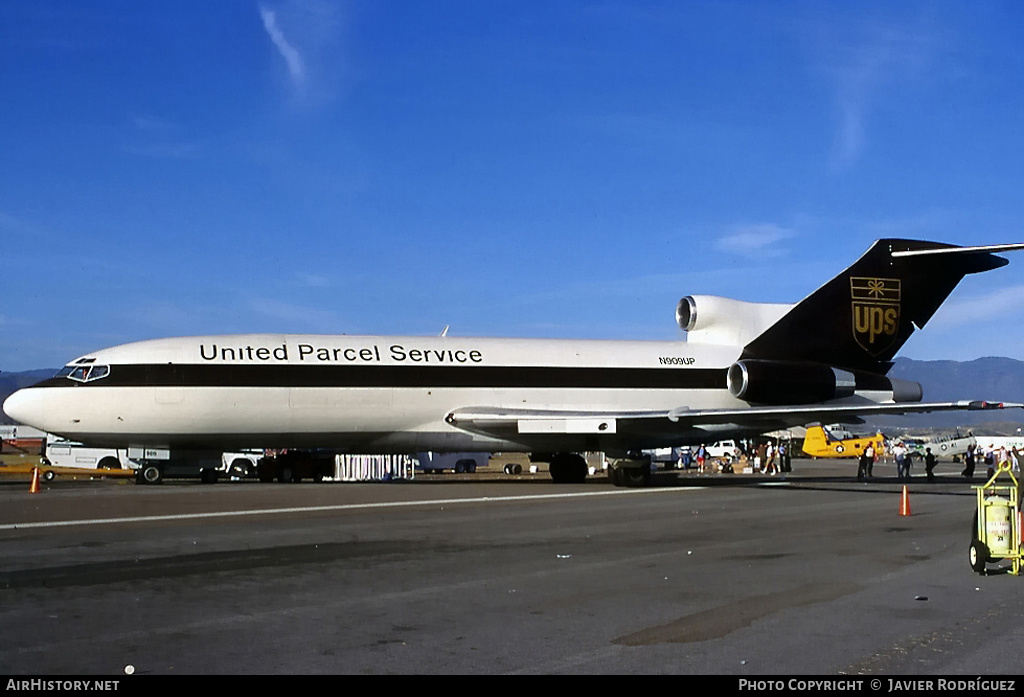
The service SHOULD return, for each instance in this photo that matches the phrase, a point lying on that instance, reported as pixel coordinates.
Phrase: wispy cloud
(292, 59)
(1002, 304)
(308, 35)
(862, 59)
(755, 240)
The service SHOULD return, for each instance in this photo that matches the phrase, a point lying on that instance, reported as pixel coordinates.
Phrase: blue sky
(556, 168)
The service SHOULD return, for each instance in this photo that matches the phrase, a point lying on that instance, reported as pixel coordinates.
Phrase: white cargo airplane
(745, 368)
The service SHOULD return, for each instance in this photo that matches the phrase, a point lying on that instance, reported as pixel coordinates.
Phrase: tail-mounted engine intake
(793, 382)
(709, 319)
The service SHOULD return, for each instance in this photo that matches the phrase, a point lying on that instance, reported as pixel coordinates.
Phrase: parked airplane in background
(953, 447)
(821, 443)
(745, 369)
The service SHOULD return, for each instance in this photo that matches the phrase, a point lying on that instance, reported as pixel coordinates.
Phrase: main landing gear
(568, 468)
(631, 471)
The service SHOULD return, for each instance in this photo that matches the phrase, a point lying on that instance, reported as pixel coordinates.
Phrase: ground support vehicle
(150, 465)
(295, 465)
(153, 465)
(60, 453)
(996, 529)
(459, 463)
(241, 464)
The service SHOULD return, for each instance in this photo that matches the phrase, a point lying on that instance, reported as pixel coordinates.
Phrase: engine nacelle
(709, 319)
(782, 382)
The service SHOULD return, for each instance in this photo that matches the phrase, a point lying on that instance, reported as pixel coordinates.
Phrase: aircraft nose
(24, 407)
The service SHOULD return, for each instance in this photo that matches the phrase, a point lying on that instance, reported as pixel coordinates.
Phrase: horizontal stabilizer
(986, 249)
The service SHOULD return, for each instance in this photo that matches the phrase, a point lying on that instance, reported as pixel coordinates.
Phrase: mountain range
(992, 379)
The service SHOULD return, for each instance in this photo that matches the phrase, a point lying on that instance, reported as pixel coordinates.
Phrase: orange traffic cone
(905, 502)
(34, 487)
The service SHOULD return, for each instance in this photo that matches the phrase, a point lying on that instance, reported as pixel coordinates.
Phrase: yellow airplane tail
(815, 441)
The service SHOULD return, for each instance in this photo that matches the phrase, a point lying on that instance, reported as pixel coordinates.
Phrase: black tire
(208, 475)
(109, 463)
(240, 468)
(465, 466)
(149, 474)
(978, 556)
(568, 468)
(635, 477)
(615, 476)
(49, 475)
(632, 477)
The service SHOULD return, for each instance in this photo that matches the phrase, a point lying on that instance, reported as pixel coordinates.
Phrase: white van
(725, 449)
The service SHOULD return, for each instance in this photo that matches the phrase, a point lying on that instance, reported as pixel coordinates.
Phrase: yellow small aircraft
(819, 443)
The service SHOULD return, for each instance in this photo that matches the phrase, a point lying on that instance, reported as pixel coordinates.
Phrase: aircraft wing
(662, 423)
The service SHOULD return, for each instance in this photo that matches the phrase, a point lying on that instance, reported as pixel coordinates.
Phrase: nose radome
(23, 406)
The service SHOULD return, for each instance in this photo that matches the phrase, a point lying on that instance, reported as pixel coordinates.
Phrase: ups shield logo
(876, 312)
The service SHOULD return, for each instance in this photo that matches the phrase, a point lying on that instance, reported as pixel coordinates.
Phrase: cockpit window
(84, 373)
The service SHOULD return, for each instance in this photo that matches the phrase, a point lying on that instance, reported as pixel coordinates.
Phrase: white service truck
(459, 463)
(60, 452)
(150, 465)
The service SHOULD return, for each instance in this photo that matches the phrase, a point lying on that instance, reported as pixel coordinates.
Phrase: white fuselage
(370, 393)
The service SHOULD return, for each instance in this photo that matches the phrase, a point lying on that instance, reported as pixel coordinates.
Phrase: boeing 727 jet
(744, 369)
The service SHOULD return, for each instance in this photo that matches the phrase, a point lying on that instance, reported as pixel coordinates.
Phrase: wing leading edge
(672, 423)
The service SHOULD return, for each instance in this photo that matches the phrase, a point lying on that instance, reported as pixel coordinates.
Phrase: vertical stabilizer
(861, 318)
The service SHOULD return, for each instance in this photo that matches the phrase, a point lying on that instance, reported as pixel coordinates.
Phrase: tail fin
(815, 440)
(861, 318)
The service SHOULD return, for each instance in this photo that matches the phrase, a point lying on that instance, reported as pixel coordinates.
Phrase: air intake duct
(784, 382)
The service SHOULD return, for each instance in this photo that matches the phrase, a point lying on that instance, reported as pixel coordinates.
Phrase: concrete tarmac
(810, 574)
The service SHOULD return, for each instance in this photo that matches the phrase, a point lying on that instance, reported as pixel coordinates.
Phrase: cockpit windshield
(83, 373)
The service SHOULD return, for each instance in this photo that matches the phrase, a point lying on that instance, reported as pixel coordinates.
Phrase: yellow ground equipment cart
(997, 525)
